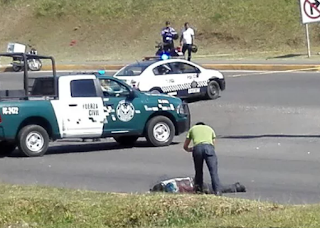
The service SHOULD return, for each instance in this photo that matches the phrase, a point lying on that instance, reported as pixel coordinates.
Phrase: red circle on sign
(304, 8)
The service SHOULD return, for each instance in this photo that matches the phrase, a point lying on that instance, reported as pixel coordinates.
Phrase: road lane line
(274, 72)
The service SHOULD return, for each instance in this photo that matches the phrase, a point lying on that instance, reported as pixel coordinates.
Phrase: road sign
(310, 11)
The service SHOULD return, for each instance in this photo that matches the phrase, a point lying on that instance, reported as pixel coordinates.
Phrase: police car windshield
(135, 69)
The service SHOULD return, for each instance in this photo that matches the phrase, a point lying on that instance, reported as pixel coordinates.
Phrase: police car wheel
(126, 140)
(33, 141)
(6, 148)
(213, 90)
(155, 91)
(160, 131)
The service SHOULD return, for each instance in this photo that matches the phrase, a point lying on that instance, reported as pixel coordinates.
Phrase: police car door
(190, 76)
(122, 111)
(167, 79)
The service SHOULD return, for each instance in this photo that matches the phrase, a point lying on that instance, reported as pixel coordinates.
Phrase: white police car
(173, 76)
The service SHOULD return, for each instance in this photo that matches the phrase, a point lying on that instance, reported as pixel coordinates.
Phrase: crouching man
(203, 138)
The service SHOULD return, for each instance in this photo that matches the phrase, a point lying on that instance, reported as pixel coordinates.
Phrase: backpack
(174, 185)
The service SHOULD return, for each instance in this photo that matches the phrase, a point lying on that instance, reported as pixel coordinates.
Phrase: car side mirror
(105, 94)
(132, 94)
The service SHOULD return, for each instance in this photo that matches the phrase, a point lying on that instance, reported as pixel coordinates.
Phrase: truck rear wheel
(126, 140)
(33, 141)
(160, 131)
(6, 148)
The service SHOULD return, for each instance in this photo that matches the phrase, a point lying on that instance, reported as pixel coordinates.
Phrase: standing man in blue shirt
(168, 34)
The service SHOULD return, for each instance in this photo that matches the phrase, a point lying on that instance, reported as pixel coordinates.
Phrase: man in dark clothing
(168, 35)
(203, 149)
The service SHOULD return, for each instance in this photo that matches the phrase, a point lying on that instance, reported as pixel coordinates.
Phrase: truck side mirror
(132, 94)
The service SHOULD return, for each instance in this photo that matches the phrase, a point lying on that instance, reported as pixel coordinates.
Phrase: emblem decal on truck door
(125, 111)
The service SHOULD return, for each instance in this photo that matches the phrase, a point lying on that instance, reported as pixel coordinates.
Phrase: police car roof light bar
(165, 56)
(159, 57)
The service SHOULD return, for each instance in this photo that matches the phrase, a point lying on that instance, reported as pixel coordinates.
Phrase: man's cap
(167, 22)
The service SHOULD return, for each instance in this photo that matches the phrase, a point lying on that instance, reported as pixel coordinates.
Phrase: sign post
(308, 40)
(310, 13)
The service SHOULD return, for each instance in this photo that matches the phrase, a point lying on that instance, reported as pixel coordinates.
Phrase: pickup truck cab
(87, 105)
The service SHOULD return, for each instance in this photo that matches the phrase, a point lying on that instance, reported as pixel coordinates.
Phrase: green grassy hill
(44, 207)
(123, 29)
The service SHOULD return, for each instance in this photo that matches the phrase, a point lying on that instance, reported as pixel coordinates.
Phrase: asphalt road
(268, 127)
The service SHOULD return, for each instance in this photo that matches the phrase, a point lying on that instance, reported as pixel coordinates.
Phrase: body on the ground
(187, 185)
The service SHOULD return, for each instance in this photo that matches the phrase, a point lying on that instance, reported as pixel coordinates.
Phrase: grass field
(32, 206)
(128, 29)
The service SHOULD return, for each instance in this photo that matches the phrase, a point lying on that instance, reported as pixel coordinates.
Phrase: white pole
(308, 40)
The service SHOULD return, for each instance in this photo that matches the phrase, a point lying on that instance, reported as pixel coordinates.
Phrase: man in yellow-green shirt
(203, 138)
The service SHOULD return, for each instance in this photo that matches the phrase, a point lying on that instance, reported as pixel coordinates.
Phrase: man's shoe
(240, 187)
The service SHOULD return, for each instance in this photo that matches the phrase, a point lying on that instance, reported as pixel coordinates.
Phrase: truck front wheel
(160, 131)
(6, 148)
(33, 141)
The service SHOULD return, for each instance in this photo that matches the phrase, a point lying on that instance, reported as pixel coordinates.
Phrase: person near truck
(187, 39)
(203, 138)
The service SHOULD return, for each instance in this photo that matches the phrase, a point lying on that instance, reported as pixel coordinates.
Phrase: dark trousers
(168, 47)
(185, 48)
(206, 152)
